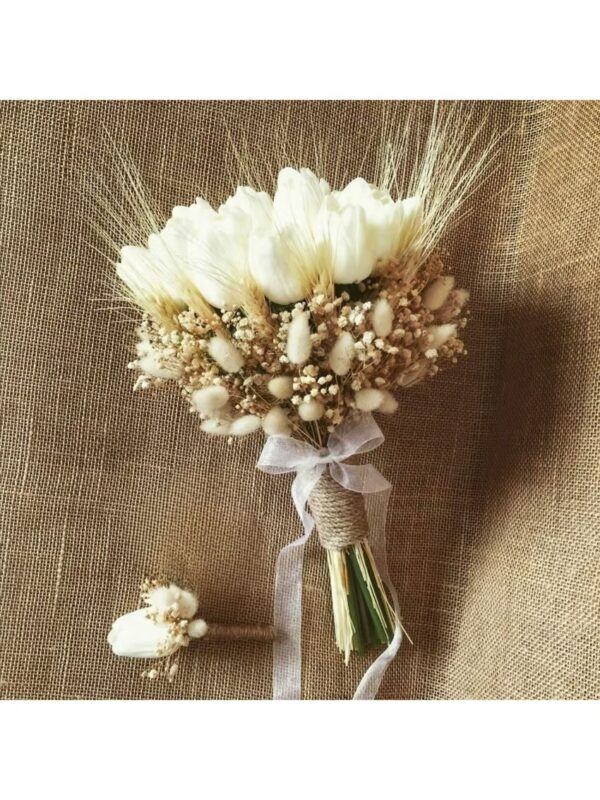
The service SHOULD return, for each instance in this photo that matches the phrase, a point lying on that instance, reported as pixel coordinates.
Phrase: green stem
(376, 613)
(358, 638)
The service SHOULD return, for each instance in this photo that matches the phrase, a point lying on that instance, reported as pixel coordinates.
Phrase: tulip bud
(134, 635)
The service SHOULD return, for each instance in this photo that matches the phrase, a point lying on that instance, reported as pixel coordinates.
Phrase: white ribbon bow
(280, 455)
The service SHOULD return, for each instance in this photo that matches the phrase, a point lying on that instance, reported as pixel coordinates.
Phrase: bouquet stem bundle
(362, 613)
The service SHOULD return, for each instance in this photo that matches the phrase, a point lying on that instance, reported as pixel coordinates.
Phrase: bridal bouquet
(300, 315)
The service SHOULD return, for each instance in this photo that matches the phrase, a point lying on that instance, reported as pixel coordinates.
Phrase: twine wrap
(280, 455)
(339, 515)
(238, 633)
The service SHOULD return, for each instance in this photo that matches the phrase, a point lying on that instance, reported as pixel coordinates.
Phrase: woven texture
(494, 529)
(340, 516)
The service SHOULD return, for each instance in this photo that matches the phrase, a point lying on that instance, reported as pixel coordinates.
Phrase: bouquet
(299, 315)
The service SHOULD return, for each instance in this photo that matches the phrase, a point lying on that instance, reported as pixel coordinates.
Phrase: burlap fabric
(494, 525)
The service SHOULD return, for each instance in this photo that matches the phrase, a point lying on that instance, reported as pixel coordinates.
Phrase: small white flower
(197, 629)
(171, 599)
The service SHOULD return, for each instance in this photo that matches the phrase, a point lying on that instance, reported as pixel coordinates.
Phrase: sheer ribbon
(281, 455)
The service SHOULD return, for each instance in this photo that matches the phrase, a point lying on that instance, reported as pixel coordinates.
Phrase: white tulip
(345, 235)
(275, 267)
(217, 243)
(218, 262)
(136, 636)
(298, 198)
(153, 282)
(382, 215)
(250, 210)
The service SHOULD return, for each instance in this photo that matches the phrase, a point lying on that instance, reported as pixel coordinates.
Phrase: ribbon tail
(287, 610)
(376, 507)
(287, 617)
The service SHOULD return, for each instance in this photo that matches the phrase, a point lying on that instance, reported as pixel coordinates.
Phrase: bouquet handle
(357, 484)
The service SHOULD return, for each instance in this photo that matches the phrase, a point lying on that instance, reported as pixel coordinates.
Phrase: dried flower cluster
(313, 362)
(296, 352)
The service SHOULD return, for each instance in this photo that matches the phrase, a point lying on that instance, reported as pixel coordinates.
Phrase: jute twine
(228, 633)
(339, 514)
